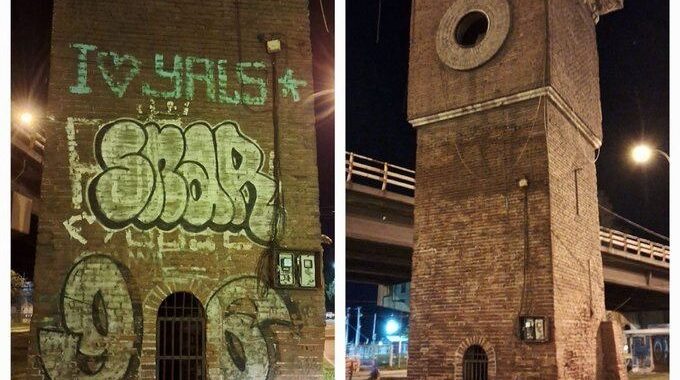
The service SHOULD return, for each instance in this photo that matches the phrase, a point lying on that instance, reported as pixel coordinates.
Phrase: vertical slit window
(576, 174)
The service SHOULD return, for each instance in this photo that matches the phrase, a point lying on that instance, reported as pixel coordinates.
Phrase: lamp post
(391, 328)
(642, 153)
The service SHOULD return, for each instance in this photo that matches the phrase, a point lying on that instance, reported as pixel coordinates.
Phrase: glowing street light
(391, 327)
(642, 153)
(26, 118)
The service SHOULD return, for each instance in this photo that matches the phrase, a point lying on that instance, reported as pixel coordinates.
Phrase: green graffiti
(120, 63)
(247, 80)
(81, 86)
(251, 78)
(208, 77)
(199, 177)
(175, 77)
(222, 85)
(290, 85)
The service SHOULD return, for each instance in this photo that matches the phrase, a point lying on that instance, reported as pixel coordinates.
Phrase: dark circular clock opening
(471, 29)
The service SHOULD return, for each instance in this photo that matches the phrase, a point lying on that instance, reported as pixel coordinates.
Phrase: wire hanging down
(377, 27)
(647, 230)
(323, 14)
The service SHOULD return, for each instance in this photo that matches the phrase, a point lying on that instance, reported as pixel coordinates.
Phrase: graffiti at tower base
(242, 323)
(101, 325)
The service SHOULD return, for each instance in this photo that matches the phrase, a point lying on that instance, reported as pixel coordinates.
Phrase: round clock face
(472, 31)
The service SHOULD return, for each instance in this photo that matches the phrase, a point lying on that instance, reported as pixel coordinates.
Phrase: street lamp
(392, 327)
(642, 153)
(26, 118)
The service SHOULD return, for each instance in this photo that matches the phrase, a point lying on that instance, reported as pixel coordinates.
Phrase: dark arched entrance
(475, 364)
(180, 338)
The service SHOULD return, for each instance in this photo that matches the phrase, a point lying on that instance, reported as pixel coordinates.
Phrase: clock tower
(507, 274)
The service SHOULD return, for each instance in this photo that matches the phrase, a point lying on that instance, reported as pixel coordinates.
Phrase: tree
(18, 283)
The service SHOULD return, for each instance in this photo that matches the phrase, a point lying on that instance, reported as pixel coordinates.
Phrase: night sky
(31, 26)
(634, 76)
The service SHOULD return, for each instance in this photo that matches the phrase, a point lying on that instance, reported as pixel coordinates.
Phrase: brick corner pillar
(505, 98)
(180, 161)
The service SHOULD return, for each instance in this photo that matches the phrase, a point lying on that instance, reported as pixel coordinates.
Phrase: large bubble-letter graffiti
(241, 321)
(199, 178)
(101, 332)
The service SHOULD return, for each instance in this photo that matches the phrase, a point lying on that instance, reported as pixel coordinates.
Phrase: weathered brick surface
(612, 341)
(101, 278)
(573, 61)
(470, 269)
(433, 89)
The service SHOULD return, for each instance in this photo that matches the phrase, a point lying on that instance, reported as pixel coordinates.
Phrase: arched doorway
(475, 364)
(180, 338)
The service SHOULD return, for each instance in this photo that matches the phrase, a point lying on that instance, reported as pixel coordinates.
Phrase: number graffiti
(198, 178)
(241, 323)
(102, 332)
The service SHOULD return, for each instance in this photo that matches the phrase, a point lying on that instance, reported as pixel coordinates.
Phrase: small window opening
(472, 29)
(578, 210)
(180, 338)
(475, 364)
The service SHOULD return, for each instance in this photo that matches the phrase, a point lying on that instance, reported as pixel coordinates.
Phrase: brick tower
(180, 233)
(507, 274)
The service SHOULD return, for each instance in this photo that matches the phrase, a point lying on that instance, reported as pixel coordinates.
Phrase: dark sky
(634, 77)
(31, 26)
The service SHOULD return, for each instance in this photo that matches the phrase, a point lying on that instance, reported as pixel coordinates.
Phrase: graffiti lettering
(102, 333)
(290, 85)
(242, 324)
(120, 64)
(81, 87)
(76, 169)
(198, 178)
(175, 77)
(119, 70)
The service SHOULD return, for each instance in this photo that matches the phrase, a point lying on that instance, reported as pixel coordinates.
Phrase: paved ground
(401, 374)
(650, 376)
(384, 375)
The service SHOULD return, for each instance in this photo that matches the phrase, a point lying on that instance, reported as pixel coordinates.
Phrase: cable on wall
(239, 51)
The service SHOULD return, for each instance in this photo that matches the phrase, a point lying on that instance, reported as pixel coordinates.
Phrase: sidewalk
(384, 374)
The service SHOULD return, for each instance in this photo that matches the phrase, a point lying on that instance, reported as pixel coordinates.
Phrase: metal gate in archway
(475, 364)
(180, 338)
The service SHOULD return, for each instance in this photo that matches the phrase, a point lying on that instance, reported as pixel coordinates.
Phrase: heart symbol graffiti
(132, 63)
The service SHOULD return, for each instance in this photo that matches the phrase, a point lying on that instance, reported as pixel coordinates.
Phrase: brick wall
(433, 88)
(468, 266)
(159, 178)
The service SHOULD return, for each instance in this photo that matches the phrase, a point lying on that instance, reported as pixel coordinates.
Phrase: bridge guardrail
(628, 244)
(616, 242)
(377, 171)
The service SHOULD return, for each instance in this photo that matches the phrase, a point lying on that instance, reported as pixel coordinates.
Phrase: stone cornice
(555, 98)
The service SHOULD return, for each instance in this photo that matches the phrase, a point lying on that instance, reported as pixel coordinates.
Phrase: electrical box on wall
(533, 329)
(296, 269)
(285, 269)
(307, 265)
